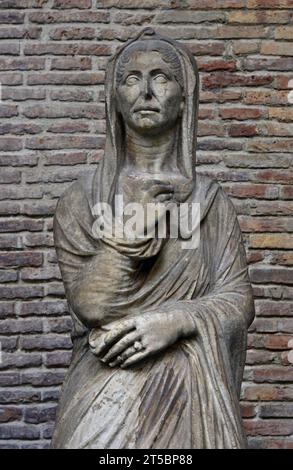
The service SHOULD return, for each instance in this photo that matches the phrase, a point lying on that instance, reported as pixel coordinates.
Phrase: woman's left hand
(131, 340)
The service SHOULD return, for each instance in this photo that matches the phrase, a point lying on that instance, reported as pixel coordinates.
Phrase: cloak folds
(188, 395)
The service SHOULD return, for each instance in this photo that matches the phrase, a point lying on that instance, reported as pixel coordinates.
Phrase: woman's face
(148, 96)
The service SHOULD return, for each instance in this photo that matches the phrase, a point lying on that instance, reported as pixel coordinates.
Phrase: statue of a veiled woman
(160, 331)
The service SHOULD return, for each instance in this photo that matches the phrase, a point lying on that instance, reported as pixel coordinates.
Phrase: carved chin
(146, 123)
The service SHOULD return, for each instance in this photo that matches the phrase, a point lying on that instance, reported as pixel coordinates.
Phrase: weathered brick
(268, 392)
(10, 413)
(241, 114)
(282, 258)
(210, 48)
(268, 145)
(79, 63)
(43, 308)
(284, 32)
(22, 94)
(72, 95)
(216, 64)
(178, 16)
(8, 276)
(10, 176)
(137, 18)
(281, 114)
(9, 49)
(81, 4)
(63, 142)
(269, 4)
(9, 241)
(286, 192)
(21, 292)
(22, 3)
(8, 379)
(39, 414)
(224, 79)
(11, 17)
(69, 17)
(21, 225)
(268, 64)
(273, 374)
(11, 79)
(246, 47)
(59, 325)
(266, 224)
(21, 326)
(258, 357)
(258, 191)
(276, 48)
(283, 81)
(19, 395)
(53, 78)
(66, 33)
(45, 342)
(9, 144)
(269, 427)
(275, 325)
(272, 240)
(42, 379)
(209, 4)
(89, 111)
(259, 17)
(19, 360)
(18, 32)
(58, 359)
(34, 63)
(265, 97)
(18, 259)
(7, 111)
(270, 443)
(242, 130)
(44, 274)
(277, 342)
(247, 410)
(19, 129)
(70, 158)
(52, 48)
(276, 129)
(8, 343)
(265, 274)
(19, 432)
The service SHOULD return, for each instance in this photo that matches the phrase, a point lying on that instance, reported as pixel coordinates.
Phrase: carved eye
(132, 80)
(160, 78)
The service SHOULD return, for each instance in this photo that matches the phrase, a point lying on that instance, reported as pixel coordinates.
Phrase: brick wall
(52, 60)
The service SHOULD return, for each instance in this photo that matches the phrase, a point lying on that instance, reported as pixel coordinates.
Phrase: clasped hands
(128, 341)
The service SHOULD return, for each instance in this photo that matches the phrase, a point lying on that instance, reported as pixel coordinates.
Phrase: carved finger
(121, 345)
(156, 190)
(134, 358)
(113, 335)
(164, 197)
(122, 357)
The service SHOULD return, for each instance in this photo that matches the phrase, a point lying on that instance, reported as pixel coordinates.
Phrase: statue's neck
(151, 154)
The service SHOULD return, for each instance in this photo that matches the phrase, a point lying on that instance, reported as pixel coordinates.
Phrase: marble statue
(159, 338)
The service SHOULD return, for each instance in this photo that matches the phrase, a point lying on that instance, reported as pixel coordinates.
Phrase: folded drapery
(188, 395)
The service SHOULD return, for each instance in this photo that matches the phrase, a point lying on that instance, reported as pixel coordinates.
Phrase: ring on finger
(138, 346)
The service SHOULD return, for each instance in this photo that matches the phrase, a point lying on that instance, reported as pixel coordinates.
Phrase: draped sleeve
(223, 313)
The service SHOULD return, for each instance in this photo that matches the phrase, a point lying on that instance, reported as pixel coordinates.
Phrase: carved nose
(147, 89)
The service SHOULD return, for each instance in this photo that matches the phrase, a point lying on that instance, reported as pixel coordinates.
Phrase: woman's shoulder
(211, 196)
(78, 192)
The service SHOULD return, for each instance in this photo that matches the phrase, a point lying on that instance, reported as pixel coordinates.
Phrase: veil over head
(104, 184)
